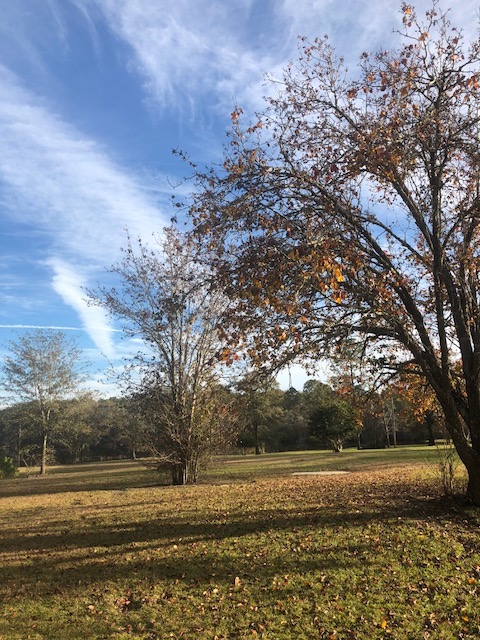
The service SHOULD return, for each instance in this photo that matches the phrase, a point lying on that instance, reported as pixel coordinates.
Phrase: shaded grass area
(377, 553)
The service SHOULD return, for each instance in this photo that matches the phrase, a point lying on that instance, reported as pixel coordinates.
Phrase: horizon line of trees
(267, 420)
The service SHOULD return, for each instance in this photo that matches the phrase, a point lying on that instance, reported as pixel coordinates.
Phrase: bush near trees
(7, 467)
(349, 210)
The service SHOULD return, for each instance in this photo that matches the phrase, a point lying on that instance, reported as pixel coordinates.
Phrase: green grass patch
(250, 467)
(103, 551)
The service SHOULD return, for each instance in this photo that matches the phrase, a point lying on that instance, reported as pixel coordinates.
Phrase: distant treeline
(267, 419)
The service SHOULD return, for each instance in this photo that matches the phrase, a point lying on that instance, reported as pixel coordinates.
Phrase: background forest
(266, 419)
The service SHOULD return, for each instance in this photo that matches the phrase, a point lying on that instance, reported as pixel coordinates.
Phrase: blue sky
(94, 94)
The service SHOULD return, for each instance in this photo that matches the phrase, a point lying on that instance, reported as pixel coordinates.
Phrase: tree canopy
(350, 210)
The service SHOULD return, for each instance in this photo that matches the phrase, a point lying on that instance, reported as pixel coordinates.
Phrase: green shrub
(7, 467)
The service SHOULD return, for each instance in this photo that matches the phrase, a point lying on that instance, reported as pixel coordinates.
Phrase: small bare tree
(42, 368)
(164, 299)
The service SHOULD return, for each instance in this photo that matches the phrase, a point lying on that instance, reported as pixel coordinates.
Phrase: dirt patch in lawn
(319, 473)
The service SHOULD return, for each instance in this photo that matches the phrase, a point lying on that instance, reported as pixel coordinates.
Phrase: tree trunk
(472, 464)
(178, 476)
(192, 471)
(429, 421)
(19, 448)
(43, 463)
(467, 454)
(473, 487)
(471, 460)
(185, 473)
(394, 423)
(257, 443)
(387, 437)
(336, 445)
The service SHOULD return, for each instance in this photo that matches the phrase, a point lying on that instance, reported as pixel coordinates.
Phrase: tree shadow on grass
(49, 577)
(179, 550)
(187, 536)
(147, 548)
(60, 483)
(108, 466)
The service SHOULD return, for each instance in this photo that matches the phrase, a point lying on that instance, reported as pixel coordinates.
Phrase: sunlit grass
(251, 466)
(103, 551)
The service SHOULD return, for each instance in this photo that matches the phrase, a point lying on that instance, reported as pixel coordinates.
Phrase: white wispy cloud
(66, 188)
(204, 47)
(70, 285)
(194, 49)
(64, 183)
(355, 26)
(39, 326)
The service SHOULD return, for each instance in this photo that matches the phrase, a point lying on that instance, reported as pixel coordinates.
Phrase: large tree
(351, 210)
(77, 435)
(259, 403)
(163, 298)
(42, 368)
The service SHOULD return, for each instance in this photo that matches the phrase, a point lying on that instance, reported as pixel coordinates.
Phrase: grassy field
(104, 551)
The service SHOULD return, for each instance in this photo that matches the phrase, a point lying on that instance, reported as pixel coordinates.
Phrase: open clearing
(103, 551)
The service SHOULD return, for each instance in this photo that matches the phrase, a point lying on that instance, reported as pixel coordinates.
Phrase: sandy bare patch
(319, 473)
